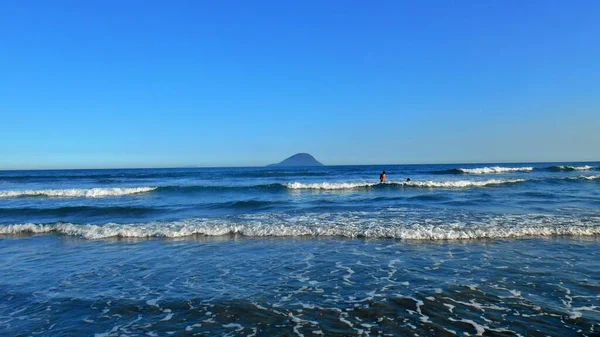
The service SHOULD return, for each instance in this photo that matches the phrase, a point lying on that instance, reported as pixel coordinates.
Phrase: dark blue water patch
(246, 205)
(93, 174)
(111, 181)
(81, 211)
(538, 194)
(85, 214)
(447, 171)
(136, 174)
(117, 212)
(431, 197)
(276, 174)
(465, 202)
(274, 187)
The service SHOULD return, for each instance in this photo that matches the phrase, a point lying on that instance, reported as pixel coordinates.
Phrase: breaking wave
(583, 178)
(328, 186)
(568, 168)
(274, 187)
(342, 225)
(485, 170)
(464, 183)
(77, 192)
(423, 184)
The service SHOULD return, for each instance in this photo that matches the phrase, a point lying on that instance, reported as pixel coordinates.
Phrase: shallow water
(493, 249)
(238, 286)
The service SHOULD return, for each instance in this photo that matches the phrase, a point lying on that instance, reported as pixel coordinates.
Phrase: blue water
(466, 249)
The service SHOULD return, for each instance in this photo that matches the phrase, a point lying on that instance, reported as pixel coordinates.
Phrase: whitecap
(495, 169)
(77, 192)
(347, 224)
(463, 183)
(423, 184)
(328, 186)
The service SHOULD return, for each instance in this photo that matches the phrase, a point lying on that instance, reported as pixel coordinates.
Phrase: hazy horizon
(283, 167)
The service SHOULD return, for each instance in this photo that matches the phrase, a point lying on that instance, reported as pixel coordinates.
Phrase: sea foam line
(345, 225)
(572, 168)
(327, 186)
(584, 177)
(463, 183)
(495, 169)
(77, 192)
(425, 184)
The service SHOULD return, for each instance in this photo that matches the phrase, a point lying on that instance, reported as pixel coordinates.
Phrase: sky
(105, 84)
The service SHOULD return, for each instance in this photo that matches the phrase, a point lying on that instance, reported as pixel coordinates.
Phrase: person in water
(408, 180)
(382, 177)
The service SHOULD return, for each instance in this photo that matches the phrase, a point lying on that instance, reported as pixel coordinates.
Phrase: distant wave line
(116, 177)
(568, 168)
(501, 169)
(99, 192)
(422, 184)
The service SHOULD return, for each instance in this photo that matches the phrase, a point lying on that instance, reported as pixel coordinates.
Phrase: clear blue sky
(235, 83)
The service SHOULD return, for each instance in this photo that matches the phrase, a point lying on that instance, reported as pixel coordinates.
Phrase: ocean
(460, 250)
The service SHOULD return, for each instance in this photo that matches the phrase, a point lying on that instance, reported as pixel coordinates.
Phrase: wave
(464, 183)
(583, 178)
(122, 191)
(77, 192)
(485, 170)
(274, 187)
(567, 168)
(423, 184)
(343, 225)
(500, 169)
(330, 186)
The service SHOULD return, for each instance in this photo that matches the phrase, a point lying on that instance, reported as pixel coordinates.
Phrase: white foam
(426, 184)
(238, 327)
(583, 177)
(343, 224)
(463, 183)
(495, 169)
(478, 327)
(577, 168)
(328, 186)
(77, 192)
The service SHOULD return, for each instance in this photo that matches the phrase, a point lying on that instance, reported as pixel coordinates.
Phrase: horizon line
(278, 167)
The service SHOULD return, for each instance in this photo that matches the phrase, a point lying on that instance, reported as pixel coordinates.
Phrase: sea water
(486, 249)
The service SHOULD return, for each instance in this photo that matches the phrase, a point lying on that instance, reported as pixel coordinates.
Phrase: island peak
(299, 159)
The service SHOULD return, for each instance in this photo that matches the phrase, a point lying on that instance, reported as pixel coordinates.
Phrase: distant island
(299, 159)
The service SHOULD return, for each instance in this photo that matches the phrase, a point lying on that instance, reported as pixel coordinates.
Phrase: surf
(349, 225)
(418, 184)
(97, 192)
(485, 170)
(568, 168)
